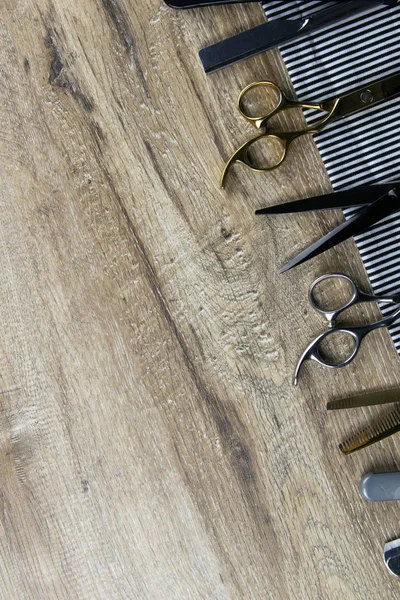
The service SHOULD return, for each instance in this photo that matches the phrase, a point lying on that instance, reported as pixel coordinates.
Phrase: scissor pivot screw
(366, 96)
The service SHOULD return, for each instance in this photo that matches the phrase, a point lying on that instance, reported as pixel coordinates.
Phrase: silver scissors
(356, 334)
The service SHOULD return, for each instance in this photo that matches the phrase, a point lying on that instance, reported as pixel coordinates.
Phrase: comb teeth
(381, 429)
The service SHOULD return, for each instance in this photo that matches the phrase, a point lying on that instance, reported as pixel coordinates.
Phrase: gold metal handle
(260, 120)
(241, 154)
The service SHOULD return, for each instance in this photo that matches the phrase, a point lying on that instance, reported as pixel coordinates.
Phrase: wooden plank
(152, 444)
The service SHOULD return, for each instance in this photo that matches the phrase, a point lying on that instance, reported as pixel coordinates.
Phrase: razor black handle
(198, 3)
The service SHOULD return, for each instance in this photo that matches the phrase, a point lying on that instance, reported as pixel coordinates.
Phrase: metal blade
(275, 33)
(384, 206)
(371, 399)
(249, 43)
(199, 3)
(377, 431)
(354, 197)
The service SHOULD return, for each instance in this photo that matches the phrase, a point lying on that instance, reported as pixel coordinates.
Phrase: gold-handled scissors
(335, 108)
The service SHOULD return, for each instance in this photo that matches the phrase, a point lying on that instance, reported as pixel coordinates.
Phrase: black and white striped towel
(363, 148)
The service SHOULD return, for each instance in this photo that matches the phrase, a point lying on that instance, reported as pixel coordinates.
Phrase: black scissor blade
(355, 197)
(381, 208)
(275, 33)
(249, 43)
(198, 3)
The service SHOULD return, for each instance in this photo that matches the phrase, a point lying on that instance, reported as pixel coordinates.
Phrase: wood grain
(152, 444)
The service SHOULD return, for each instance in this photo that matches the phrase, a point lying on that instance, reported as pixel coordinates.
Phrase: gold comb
(379, 430)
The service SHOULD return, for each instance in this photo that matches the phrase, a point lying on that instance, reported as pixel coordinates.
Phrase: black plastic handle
(199, 3)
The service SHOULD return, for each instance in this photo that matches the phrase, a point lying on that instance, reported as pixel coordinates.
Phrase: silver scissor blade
(249, 43)
(371, 399)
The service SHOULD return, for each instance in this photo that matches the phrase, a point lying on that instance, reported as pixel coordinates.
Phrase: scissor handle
(313, 351)
(317, 356)
(260, 120)
(281, 102)
(284, 138)
(332, 314)
(241, 155)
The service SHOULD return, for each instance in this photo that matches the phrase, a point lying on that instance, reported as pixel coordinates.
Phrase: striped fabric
(365, 147)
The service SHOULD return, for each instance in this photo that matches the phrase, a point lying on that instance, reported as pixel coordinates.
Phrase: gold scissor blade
(369, 95)
(377, 431)
(381, 397)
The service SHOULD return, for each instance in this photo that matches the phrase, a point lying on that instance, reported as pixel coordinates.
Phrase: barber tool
(277, 32)
(379, 430)
(391, 555)
(380, 487)
(370, 399)
(314, 351)
(379, 201)
(276, 102)
(199, 3)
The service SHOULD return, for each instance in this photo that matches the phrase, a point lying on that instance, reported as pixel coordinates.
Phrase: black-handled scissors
(379, 201)
(334, 109)
(357, 334)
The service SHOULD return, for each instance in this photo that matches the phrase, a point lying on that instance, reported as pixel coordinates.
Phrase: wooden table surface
(152, 443)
